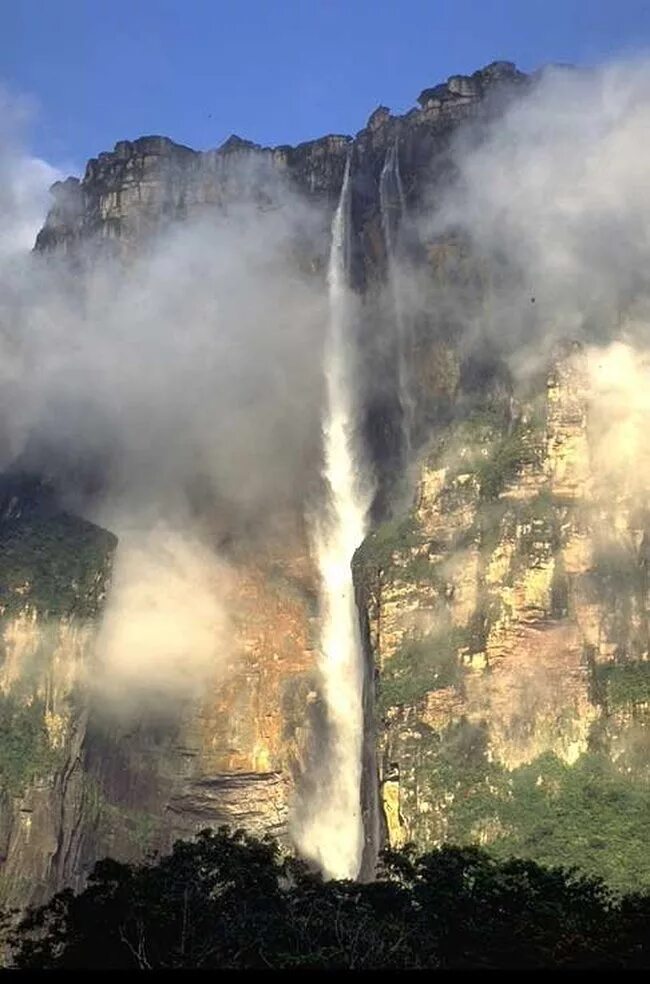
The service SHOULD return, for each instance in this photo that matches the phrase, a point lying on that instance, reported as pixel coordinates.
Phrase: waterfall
(391, 203)
(333, 833)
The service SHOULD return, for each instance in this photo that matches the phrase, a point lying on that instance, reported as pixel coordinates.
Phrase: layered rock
(510, 683)
(237, 754)
(134, 191)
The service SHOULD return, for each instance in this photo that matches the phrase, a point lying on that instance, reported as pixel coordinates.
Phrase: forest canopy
(228, 900)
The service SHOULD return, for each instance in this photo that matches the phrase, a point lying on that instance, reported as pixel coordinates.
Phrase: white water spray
(333, 832)
(392, 206)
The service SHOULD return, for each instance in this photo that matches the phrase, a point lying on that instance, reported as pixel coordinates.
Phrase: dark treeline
(228, 900)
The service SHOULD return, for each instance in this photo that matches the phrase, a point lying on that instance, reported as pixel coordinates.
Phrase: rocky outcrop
(129, 196)
(238, 754)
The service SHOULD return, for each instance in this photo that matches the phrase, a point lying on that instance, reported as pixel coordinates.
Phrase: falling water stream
(334, 833)
(391, 201)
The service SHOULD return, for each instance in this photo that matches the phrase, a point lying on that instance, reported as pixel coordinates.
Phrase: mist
(24, 179)
(189, 365)
(166, 633)
(553, 198)
(172, 396)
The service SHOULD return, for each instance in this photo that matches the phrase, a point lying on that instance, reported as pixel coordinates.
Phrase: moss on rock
(421, 666)
(57, 565)
(25, 750)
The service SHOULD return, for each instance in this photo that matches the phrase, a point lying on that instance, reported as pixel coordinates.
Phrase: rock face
(134, 190)
(131, 194)
(77, 784)
(505, 612)
(55, 570)
(513, 691)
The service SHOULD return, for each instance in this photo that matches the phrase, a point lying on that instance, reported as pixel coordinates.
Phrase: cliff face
(55, 571)
(508, 620)
(134, 191)
(505, 612)
(77, 782)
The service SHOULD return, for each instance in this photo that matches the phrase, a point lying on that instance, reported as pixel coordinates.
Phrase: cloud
(174, 398)
(553, 197)
(24, 180)
(166, 632)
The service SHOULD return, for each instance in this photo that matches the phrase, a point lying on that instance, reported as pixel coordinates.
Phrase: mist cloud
(172, 395)
(24, 180)
(176, 396)
(166, 632)
(553, 197)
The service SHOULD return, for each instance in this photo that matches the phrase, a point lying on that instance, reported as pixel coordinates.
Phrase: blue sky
(274, 71)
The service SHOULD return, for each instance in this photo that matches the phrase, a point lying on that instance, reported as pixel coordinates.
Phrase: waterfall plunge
(391, 202)
(333, 834)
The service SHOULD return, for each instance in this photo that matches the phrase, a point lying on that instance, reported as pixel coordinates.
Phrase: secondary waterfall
(333, 834)
(391, 202)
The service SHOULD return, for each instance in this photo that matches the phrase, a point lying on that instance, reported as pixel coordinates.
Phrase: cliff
(505, 612)
(77, 782)
(508, 619)
(55, 570)
(135, 190)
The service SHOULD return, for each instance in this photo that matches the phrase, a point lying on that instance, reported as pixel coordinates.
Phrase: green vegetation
(624, 684)
(230, 901)
(378, 549)
(421, 665)
(500, 465)
(55, 564)
(487, 443)
(589, 814)
(25, 751)
(422, 568)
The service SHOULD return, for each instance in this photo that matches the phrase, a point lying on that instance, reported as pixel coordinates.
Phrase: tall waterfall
(333, 834)
(391, 202)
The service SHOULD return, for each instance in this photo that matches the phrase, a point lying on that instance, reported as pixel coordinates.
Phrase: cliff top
(457, 89)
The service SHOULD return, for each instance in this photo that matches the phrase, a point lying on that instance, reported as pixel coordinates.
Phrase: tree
(229, 900)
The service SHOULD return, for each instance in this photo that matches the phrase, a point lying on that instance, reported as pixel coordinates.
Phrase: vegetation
(54, 564)
(488, 444)
(230, 901)
(590, 814)
(25, 751)
(421, 568)
(377, 551)
(500, 465)
(420, 666)
(625, 683)
(138, 826)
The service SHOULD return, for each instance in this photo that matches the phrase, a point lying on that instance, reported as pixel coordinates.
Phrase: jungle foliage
(230, 901)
